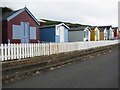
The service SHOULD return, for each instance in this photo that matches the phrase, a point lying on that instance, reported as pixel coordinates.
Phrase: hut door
(25, 38)
(27, 34)
(61, 34)
(96, 34)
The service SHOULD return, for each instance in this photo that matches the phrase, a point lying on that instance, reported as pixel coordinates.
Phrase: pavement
(98, 72)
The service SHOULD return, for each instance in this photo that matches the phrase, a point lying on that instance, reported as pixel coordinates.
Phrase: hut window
(16, 32)
(32, 32)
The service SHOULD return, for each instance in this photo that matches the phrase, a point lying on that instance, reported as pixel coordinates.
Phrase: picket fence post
(18, 51)
(2, 49)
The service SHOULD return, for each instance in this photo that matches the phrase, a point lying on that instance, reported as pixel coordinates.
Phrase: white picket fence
(19, 51)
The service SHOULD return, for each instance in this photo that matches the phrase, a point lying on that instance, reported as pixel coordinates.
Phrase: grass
(51, 22)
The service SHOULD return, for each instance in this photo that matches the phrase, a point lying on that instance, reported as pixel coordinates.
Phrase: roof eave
(63, 25)
(18, 12)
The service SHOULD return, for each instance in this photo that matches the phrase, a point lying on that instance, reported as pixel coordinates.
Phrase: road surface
(98, 72)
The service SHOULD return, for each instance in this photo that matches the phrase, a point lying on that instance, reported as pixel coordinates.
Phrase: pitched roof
(48, 26)
(9, 15)
(78, 29)
(108, 27)
(92, 27)
(114, 28)
(102, 28)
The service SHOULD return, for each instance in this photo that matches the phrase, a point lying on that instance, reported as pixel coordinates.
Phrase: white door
(86, 35)
(25, 32)
(61, 34)
(96, 33)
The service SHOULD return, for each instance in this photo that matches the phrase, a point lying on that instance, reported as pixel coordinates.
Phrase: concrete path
(98, 72)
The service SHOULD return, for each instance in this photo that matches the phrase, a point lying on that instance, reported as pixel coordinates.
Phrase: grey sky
(90, 12)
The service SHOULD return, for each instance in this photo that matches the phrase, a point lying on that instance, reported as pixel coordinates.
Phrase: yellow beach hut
(103, 33)
(95, 33)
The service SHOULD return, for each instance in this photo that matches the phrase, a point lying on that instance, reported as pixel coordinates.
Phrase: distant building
(79, 34)
(20, 27)
(95, 33)
(54, 33)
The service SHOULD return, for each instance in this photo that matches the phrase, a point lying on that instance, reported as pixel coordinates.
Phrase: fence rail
(19, 51)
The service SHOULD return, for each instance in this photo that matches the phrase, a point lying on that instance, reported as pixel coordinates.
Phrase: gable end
(20, 11)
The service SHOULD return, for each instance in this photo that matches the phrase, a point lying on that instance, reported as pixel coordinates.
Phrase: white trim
(57, 32)
(20, 11)
(32, 16)
(62, 36)
(87, 28)
(63, 25)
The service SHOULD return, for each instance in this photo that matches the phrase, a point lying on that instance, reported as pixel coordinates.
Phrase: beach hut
(116, 32)
(79, 34)
(103, 33)
(54, 33)
(110, 32)
(94, 33)
(20, 26)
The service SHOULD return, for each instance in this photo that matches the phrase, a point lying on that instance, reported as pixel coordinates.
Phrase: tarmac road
(98, 72)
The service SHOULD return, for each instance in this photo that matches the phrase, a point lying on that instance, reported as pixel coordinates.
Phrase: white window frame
(33, 33)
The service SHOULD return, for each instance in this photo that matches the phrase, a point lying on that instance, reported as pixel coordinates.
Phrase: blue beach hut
(54, 33)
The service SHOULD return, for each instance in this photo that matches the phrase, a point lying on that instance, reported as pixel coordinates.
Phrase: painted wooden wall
(65, 34)
(79, 35)
(47, 34)
(105, 34)
(116, 33)
(74, 36)
(101, 35)
(8, 28)
(110, 34)
(61, 34)
(54, 34)
(87, 35)
(94, 37)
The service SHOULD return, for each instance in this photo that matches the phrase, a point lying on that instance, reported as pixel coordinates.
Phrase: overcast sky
(89, 12)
